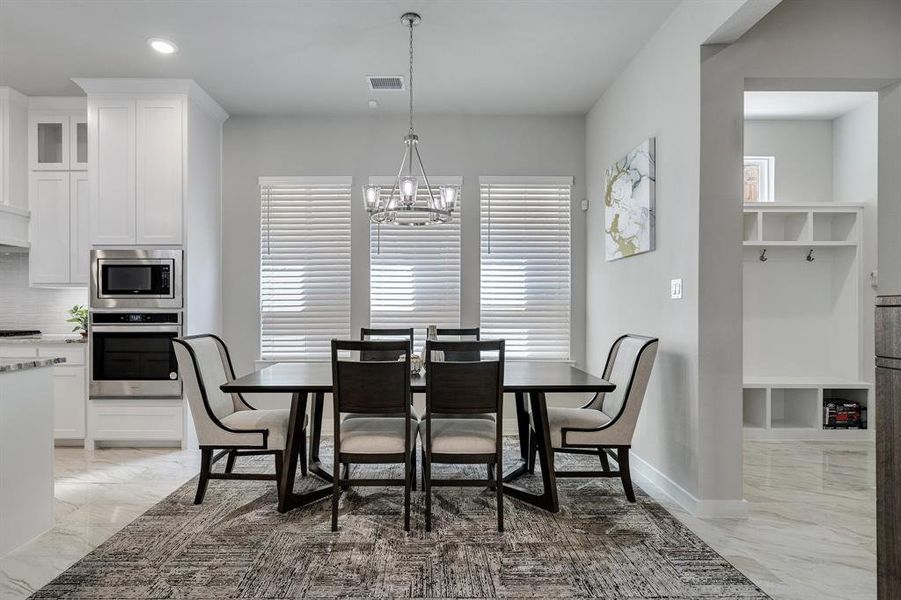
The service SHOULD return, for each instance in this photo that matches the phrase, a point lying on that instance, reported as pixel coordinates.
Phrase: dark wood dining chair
(607, 422)
(226, 422)
(463, 334)
(380, 388)
(456, 389)
(383, 334)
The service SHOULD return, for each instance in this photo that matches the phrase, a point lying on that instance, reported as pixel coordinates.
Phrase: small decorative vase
(415, 364)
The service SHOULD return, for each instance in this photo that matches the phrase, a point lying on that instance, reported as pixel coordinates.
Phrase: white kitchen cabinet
(79, 228)
(69, 390)
(111, 154)
(60, 224)
(78, 143)
(48, 260)
(57, 140)
(137, 158)
(68, 403)
(159, 158)
(13, 168)
(135, 420)
(48, 144)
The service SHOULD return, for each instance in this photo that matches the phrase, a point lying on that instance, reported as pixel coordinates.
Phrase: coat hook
(810, 257)
(763, 257)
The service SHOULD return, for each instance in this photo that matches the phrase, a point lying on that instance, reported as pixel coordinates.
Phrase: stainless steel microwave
(136, 278)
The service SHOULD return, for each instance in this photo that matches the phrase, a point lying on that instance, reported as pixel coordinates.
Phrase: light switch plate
(675, 289)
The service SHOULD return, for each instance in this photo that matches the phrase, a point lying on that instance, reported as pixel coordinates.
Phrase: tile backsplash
(25, 307)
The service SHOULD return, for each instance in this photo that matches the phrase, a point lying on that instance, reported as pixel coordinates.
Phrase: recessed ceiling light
(162, 46)
(373, 104)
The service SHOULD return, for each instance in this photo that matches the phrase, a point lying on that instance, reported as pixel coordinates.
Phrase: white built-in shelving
(803, 225)
(792, 408)
(802, 309)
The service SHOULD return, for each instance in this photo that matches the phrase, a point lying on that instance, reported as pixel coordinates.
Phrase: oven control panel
(136, 318)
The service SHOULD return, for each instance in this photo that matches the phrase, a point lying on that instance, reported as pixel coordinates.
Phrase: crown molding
(8, 93)
(132, 85)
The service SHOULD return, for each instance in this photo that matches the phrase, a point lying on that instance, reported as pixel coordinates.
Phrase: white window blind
(304, 266)
(414, 272)
(525, 266)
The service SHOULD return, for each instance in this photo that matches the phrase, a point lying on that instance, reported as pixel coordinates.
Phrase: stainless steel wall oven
(132, 354)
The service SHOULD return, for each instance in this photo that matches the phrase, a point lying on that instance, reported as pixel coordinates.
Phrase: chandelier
(402, 206)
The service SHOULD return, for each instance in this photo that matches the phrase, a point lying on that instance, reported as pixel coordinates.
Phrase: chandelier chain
(411, 75)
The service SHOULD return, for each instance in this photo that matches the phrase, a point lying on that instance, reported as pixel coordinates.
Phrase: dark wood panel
(888, 331)
(888, 483)
(518, 377)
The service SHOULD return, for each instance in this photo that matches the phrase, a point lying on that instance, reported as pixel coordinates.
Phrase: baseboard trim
(655, 483)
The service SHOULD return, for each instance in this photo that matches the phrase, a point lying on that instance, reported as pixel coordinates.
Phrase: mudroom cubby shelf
(802, 315)
(792, 408)
(807, 225)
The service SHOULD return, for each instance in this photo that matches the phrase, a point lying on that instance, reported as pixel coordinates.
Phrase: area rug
(236, 545)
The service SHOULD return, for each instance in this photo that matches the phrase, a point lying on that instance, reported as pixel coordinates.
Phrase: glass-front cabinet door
(50, 140)
(78, 145)
(57, 141)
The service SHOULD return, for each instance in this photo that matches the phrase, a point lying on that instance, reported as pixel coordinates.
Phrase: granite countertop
(46, 338)
(23, 364)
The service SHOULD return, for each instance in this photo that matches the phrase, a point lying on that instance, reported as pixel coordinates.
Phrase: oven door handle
(176, 329)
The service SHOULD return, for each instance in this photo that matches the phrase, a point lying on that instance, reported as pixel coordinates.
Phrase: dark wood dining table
(523, 379)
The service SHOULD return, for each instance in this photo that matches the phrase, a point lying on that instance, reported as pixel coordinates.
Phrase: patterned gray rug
(236, 545)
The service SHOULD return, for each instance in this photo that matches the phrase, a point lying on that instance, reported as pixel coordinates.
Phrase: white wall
(855, 177)
(203, 218)
(657, 95)
(365, 146)
(800, 45)
(803, 151)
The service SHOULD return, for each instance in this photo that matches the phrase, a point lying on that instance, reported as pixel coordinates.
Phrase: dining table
(529, 382)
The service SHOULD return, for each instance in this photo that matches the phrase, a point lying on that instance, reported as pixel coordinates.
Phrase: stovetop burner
(19, 332)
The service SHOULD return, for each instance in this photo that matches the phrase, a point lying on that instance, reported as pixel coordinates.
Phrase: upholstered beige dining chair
(608, 420)
(226, 422)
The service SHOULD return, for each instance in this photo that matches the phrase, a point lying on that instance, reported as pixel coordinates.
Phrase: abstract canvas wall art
(629, 203)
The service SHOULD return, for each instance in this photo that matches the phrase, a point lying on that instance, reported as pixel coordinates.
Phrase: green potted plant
(78, 314)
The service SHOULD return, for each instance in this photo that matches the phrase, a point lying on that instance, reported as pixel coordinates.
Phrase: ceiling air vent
(381, 83)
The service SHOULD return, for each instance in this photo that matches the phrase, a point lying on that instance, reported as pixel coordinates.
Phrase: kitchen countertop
(46, 338)
(23, 364)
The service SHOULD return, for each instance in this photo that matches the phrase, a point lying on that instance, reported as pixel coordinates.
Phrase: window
(304, 266)
(759, 179)
(525, 273)
(414, 272)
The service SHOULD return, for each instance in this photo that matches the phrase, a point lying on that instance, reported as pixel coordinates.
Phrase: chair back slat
(383, 333)
(459, 334)
(455, 386)
(371, 386)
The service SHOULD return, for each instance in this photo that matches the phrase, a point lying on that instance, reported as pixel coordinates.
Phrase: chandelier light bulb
(449, 197)
(408, 187)
(371, 197)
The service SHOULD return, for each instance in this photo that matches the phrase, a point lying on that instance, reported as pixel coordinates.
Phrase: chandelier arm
(426, 177)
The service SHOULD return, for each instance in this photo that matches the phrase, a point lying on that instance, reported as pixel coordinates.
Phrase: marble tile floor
(810, 532)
